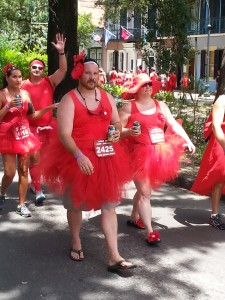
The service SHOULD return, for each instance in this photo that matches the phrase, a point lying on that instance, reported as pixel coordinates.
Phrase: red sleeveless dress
(15, 135)
(156, 162)
(212, 167)
(62, 173)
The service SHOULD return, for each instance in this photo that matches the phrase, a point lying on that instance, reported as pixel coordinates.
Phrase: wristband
(7, 106)
(78, 155)
(62, 53)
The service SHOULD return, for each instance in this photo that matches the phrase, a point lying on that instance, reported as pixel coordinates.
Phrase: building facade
(207, 37)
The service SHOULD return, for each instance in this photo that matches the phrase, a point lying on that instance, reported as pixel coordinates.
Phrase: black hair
(7, 74)
(91, 60)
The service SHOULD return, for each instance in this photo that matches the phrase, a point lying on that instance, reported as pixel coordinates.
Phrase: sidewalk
(195, 97)
(188, 264)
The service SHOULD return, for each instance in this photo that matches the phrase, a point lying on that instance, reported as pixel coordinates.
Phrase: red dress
(62, 173)
(212, 167)
(157, 162)
(41, 96)
(15, 134)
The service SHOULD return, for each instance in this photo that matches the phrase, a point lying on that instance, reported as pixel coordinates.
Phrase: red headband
(37, 62)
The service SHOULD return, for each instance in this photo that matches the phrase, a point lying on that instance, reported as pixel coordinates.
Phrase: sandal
(153, 238)
(120, 266)
(137, 224)
(77, 252)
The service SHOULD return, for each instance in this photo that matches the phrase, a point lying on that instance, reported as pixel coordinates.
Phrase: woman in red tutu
(88, 169)
(155, 156)
(17, 142)
(211, 175)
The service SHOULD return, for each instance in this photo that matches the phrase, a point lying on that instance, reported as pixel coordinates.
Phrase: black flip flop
(119, 266)
(77, 252)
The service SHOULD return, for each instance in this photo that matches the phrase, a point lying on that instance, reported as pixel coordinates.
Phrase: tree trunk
(63, 17)
(221, 82)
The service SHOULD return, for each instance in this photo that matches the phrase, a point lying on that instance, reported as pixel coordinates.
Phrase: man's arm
(58, 76)
(217, 120)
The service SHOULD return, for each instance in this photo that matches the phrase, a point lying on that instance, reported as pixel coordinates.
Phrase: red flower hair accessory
(6, 68)
(78, 68)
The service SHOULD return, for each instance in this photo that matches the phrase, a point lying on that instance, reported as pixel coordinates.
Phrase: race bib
(156, 135)
(20, 132)
(104, 148)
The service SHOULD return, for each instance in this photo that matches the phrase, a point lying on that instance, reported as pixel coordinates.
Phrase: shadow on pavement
(35, 252)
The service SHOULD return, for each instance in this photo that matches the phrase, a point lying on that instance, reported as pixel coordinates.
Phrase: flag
(108, 35)
(125, 33)
(96, 37)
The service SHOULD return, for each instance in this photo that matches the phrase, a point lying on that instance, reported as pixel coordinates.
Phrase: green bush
(115, 90)
(19, 59)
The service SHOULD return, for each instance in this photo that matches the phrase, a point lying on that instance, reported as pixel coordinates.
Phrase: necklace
(90, 112)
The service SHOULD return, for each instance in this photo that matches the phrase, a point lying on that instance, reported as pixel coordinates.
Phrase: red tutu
(62, 173)
(156, 162)
(212, 168)
(12, 142)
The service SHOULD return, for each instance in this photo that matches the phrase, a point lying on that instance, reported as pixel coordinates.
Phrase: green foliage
(25, 20)
(85, 30)
(115, 90)
(165, 96)
(20, 59)
(171, 30)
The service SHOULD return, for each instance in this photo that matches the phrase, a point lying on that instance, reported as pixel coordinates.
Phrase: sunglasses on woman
(37, 67)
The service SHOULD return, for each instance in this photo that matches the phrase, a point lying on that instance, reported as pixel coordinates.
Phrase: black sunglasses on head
(37, 67)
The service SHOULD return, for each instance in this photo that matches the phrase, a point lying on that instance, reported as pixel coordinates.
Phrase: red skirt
(12, 144)
(212, 169)
(61, 173)
(157, 163)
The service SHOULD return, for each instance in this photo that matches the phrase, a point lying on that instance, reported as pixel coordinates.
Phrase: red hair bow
(78, 68)
(6, 68)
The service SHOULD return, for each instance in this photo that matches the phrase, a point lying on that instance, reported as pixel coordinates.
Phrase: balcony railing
(218, 26)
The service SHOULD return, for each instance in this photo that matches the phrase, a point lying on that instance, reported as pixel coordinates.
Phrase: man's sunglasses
(37, 67)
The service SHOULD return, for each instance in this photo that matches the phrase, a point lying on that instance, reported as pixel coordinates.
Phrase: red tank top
(155, 120)
(41, 96)
(88, 127)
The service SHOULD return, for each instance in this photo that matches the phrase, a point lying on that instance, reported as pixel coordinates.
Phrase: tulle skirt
(157, 163)
(61, 173)
(12, 144)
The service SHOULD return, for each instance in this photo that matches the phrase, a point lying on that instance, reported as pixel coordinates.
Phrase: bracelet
(7, 106)
(78, 155)
(62, 53)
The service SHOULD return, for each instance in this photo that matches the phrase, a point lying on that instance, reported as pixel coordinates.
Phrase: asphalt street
(188, 264)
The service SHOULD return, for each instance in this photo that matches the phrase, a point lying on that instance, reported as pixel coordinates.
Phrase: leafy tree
(85, 30)
(24, 22)
(165, 30)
